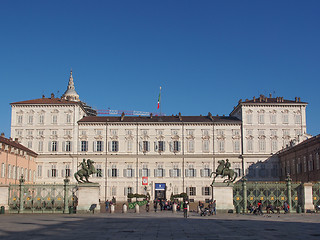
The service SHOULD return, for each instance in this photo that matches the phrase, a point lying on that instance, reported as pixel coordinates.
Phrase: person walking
(185, 209)
(214, 205)
(107, 206)
(155, 205)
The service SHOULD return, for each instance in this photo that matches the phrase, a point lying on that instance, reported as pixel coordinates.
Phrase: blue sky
(206, 55)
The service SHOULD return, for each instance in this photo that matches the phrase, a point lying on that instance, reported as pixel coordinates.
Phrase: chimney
(270, 95)
(298, 99)
(240, 100)
(150, 115)
(122, 116)
(2, 134)
(254, 99)
(210, 116)
(16, 140)
(52, 96)
(180, 116)
(43, 96)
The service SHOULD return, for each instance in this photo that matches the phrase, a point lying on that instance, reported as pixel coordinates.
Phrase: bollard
(124, 208)
(174, 208)
(2, 210)
(137, 208)
(112, 209)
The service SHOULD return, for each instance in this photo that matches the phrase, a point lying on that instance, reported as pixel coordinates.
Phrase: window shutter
(179, 172)
(186, 172)
(155, 173)
(203, 190)
(140, 146)
(87, 145)
(179, 146)
(48, 173)
(70, 146)
(109, 146)
(118, 170)
(102, 146)
(64, 146)
(156, 146)
(164, 172)
(125, 191)
(201, 173)
(49, 146)
(187, 191)
(57, 173)
(94, 146)
(132, 172)
(62, 173)
(149, 173)
(195, 172)
(109, 172)
(170, 172)
(164, 146)
(170, 146)
(140, 172)
(210, 193)
(124, 172)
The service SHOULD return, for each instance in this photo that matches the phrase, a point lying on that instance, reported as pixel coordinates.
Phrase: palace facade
(161, 155)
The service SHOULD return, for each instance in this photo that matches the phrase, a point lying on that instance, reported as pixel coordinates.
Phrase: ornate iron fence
(274, 193)
(42, 198)
(316, 194)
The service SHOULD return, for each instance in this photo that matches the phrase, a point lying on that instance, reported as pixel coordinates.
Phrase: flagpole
(160, 101)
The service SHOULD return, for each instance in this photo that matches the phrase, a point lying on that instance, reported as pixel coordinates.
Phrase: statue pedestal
(88, 197)
(223, 195)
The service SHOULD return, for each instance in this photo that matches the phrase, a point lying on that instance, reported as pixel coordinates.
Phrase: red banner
(144, 180)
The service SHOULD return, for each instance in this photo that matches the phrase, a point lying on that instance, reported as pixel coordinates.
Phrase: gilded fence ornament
(86, 170)
(224, 170)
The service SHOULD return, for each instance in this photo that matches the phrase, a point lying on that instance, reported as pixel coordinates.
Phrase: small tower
(71, 93)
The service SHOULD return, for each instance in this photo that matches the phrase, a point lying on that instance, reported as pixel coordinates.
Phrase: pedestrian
(185, 209)
(155, 205)
(286, 207)
(147, 206)
(260, 207)
(107, 205)
(214, 205)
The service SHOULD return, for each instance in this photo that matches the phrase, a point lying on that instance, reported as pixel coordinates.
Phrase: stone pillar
(124, 208)
(245, 197)
(112, 208)
(65, 197)
(289, 196)
(88, 194)
(137, 208)
(307, 197)
(4, 196)
(223, 195)
(21, 193)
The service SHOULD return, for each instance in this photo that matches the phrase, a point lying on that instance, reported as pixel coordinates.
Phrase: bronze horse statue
(86, 170)
(223, 170)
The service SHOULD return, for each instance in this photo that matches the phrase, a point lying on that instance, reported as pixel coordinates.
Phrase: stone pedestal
(174, 208)
(124, 208)
(112, 208)
(223, 195)
(307, 193)
(137, 208)
(4, 195)
(88, 194)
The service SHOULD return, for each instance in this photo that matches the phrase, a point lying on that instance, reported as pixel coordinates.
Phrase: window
(30, 119)
(29, 132)
(192, 191)
(174, 132)
(286, 132)
(159, 171)
(261, 118)
(304, 164)
(235, 132)
(261, 132)
(83, 133)
(190, 145)
(190, 172)
(9, 171)
(159, 146)
(98, 146)
(262, 145)
(206, 171)
(84, 146)
(206, 191)
(114, 146)
(53, 171)
(54, 146)
(68, 146)
(67, 132)
(205, 132)
(3, 170)
(129, 190)
(68, 118)
(190, 132)
(249, 132)
(144, 172)
(39, 171)
(220, 132)
(114, 191)
(297, 119)
(114, 132)
(285, 118)
(176, 146)
(129, 132)
(236, 145)
(19, 119)
(54, 132)
(175, 172)
(67, 171)
(273, 132)
(310, 163)
(129, 146)
(29, 144)
(41, 119)
(128, 172)
(54, 119)
(99, 171)
(40, 132)
(19, 132)
(114, 171)
(14, 172)
(274, 146)
(298, 132)
(273, 118)
(317, 161)
(221, 145)
(205, 146)
(145, 146)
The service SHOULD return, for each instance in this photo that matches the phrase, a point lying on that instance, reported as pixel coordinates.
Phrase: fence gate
(274, 193)
(316, 194)
(41, 198)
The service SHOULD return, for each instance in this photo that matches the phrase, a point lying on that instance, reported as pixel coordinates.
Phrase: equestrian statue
(86, 170)
(224, 170)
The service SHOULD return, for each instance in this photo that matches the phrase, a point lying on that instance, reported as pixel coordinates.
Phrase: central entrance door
(160, 191)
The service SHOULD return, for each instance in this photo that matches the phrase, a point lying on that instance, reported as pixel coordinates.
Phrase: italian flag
(159, 98)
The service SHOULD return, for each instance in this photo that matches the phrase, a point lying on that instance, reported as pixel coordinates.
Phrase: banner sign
(144, 180)
(160, 186)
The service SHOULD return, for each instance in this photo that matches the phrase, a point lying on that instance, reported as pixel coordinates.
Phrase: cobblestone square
(160, 225)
